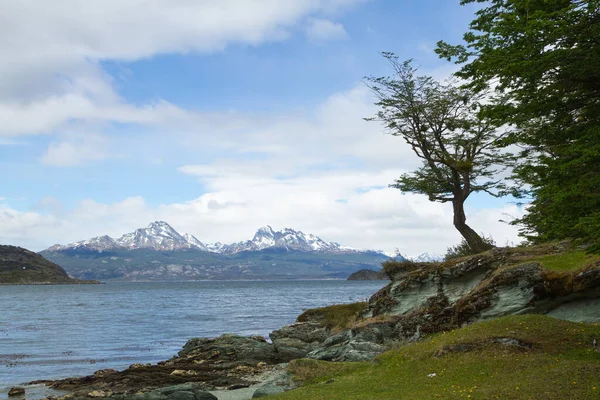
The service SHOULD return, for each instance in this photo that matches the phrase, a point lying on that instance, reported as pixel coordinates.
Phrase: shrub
(337, 317)
(462, 249)
(394, 266)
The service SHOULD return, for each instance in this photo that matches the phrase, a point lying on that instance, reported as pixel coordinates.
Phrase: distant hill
(19, 266)
(193, 264)
(158, 252)
(368, 275)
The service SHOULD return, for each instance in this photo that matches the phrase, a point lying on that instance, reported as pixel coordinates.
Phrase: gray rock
(486, 286)
(297, 340)
(205, 396)
(16, 391)
(184, 387)
(275, 385)
(358, 344)
(185, 391)
(181, 396)
(268, 390)
(231, 348)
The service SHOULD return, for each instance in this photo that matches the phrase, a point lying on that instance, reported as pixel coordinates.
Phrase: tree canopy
(542, 58)
(444, 126)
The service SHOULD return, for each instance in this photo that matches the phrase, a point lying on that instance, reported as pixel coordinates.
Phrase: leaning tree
(444, 127)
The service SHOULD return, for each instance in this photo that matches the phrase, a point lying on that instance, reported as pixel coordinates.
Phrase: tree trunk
(474, 241)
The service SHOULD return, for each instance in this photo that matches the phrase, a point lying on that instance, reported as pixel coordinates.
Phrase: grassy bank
(516, 357)
(336, 317)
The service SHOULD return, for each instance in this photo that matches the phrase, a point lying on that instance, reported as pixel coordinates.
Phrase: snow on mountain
(193, 242)
(288, 239)
(215, 247)
(158, 236)
(100, 244)
(161, 236)
(428, 257)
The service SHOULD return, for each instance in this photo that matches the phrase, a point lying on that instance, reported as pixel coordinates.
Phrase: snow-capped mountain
(288, 239)
(161, 236)
(192, 242)
(158, 236)
(100, 243)
(428, 257)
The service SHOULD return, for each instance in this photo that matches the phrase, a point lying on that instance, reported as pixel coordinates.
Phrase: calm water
(49, 332)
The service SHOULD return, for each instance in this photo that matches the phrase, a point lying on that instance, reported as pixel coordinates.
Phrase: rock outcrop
(299, 339)
(425, 298)
(225, 362)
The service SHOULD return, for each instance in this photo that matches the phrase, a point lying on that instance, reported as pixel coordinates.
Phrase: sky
(218, 117)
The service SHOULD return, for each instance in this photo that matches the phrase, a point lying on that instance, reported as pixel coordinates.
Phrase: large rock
(186, 391)
(429, 298)
(297, 340)
(16, 391)
(357, 344)
(278, 383)
(231, 349)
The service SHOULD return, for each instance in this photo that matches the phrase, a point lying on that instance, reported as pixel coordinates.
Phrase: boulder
(297, 340)
(186, 391)
(230, 348)
(278, 383)
(357, 344)
(16, 391)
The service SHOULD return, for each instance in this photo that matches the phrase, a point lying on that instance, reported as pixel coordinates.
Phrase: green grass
(568, 261)
(336, 317)
(561, 364)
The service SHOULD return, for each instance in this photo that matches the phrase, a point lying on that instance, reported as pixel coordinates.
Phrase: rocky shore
(421, 299)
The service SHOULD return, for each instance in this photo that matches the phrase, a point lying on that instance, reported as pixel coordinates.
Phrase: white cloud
(324, 29)
(50, 73)
(76, 151)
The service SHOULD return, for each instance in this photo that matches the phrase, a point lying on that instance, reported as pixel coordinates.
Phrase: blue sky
(218, 117)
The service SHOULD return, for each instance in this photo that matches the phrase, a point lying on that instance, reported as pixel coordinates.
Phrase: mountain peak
(159, 224)
(160, 236)
(265, 229)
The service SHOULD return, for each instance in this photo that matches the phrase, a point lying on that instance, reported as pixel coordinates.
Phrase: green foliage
(336, 317)
(445, 127)
(543, 59)
(554, 360)
(463, 249)
(394, 266)
(568, 261)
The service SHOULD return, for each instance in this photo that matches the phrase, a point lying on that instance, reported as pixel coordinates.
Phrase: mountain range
(159, 252)
(160, 236)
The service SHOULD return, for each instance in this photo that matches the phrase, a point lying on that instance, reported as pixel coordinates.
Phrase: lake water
(49, 332)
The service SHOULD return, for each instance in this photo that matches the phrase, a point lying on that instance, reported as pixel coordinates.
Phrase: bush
(462, 249)
(337, 317)
(394, 266)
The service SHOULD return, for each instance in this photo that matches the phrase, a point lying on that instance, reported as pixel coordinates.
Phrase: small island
(368, 275)
(19, 266)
